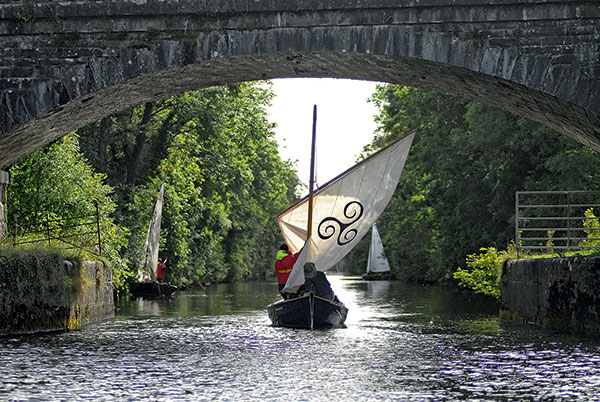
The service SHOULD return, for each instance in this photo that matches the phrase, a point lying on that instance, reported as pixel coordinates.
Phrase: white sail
(344, 210)
(152, 240)
(377, 261)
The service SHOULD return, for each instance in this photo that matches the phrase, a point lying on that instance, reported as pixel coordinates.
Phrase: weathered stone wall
(66, 64)
(4, 182)
(557, 293)
(40, 294)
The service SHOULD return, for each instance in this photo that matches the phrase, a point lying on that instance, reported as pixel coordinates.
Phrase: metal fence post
(98, 228)
(517, 222)
(48, 228)
(568, 221)
(15, 231)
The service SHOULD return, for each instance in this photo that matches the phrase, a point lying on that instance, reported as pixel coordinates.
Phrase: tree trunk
(102, 140)
(140, 140)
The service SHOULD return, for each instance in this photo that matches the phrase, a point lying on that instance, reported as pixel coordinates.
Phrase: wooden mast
(311, 182)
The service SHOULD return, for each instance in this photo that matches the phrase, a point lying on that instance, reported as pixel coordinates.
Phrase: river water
(402, 343)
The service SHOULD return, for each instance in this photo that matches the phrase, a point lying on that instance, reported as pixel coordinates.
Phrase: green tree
(456, 194)
(224, 180)
(56, 182)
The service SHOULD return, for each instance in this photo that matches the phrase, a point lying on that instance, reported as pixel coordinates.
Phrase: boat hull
(308, 312)
(377, 276)
(152, 290)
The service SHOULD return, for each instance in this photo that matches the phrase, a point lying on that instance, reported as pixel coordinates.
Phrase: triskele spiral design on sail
(328, 227)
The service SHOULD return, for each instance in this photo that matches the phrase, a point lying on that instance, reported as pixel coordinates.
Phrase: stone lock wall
(41, 294)
(556, 293)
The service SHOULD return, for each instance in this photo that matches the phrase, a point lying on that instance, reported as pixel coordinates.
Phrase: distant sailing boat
(328, 223)
(378, 267)
(148, 285)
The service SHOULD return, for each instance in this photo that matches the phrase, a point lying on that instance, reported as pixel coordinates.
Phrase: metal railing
(556, 220)
(77, 232)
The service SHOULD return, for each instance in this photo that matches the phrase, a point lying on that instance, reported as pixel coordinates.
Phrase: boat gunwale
(280, 302)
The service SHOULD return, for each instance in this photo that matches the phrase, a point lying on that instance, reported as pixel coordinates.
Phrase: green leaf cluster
(224, 180)
(592, 232)
(484, 270)
(215, 152)
(456, 193)
(57, 182)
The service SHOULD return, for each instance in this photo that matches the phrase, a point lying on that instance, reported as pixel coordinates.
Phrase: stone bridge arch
(66, 64)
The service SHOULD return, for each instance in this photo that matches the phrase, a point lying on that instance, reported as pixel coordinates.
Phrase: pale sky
(344, 122)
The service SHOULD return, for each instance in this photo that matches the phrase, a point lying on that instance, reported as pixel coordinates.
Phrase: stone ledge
(554, 293)
(35, 297)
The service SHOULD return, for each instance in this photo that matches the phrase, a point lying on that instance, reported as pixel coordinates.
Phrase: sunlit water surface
(402, 343)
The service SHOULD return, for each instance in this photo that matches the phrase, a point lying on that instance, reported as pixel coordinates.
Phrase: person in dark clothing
(316, 282)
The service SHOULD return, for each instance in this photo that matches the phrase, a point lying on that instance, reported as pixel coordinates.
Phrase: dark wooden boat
(152, 290)
(377, 276)
(308, 312)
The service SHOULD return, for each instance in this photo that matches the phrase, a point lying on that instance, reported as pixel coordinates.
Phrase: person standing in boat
(160, 271)
(316, 282)
(283, 266)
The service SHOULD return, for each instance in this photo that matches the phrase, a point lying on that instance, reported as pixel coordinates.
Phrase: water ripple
(402, 343)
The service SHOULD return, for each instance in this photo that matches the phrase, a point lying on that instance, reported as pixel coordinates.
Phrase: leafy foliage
(592, 231)
(224, 180)
(56, 182)
(484, 270)
(456, 193)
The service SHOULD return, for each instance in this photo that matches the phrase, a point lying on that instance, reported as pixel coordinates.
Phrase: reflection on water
(402, 343)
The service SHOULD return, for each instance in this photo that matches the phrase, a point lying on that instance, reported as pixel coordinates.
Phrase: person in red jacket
(160, 271)
(283, 266)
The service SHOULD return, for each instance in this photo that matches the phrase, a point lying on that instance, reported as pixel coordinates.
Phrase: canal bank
(553, 293)
(46, 292)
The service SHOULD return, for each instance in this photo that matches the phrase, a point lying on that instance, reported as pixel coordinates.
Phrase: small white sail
(377, 261)
(152, 240)
(344, 210)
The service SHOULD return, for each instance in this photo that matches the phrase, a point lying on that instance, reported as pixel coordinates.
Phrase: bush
(484, 270)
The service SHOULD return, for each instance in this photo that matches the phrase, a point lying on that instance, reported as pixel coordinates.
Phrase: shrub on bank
(485, 269)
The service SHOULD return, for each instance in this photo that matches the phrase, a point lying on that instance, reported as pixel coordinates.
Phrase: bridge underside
(548, 110)
(66, 64)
